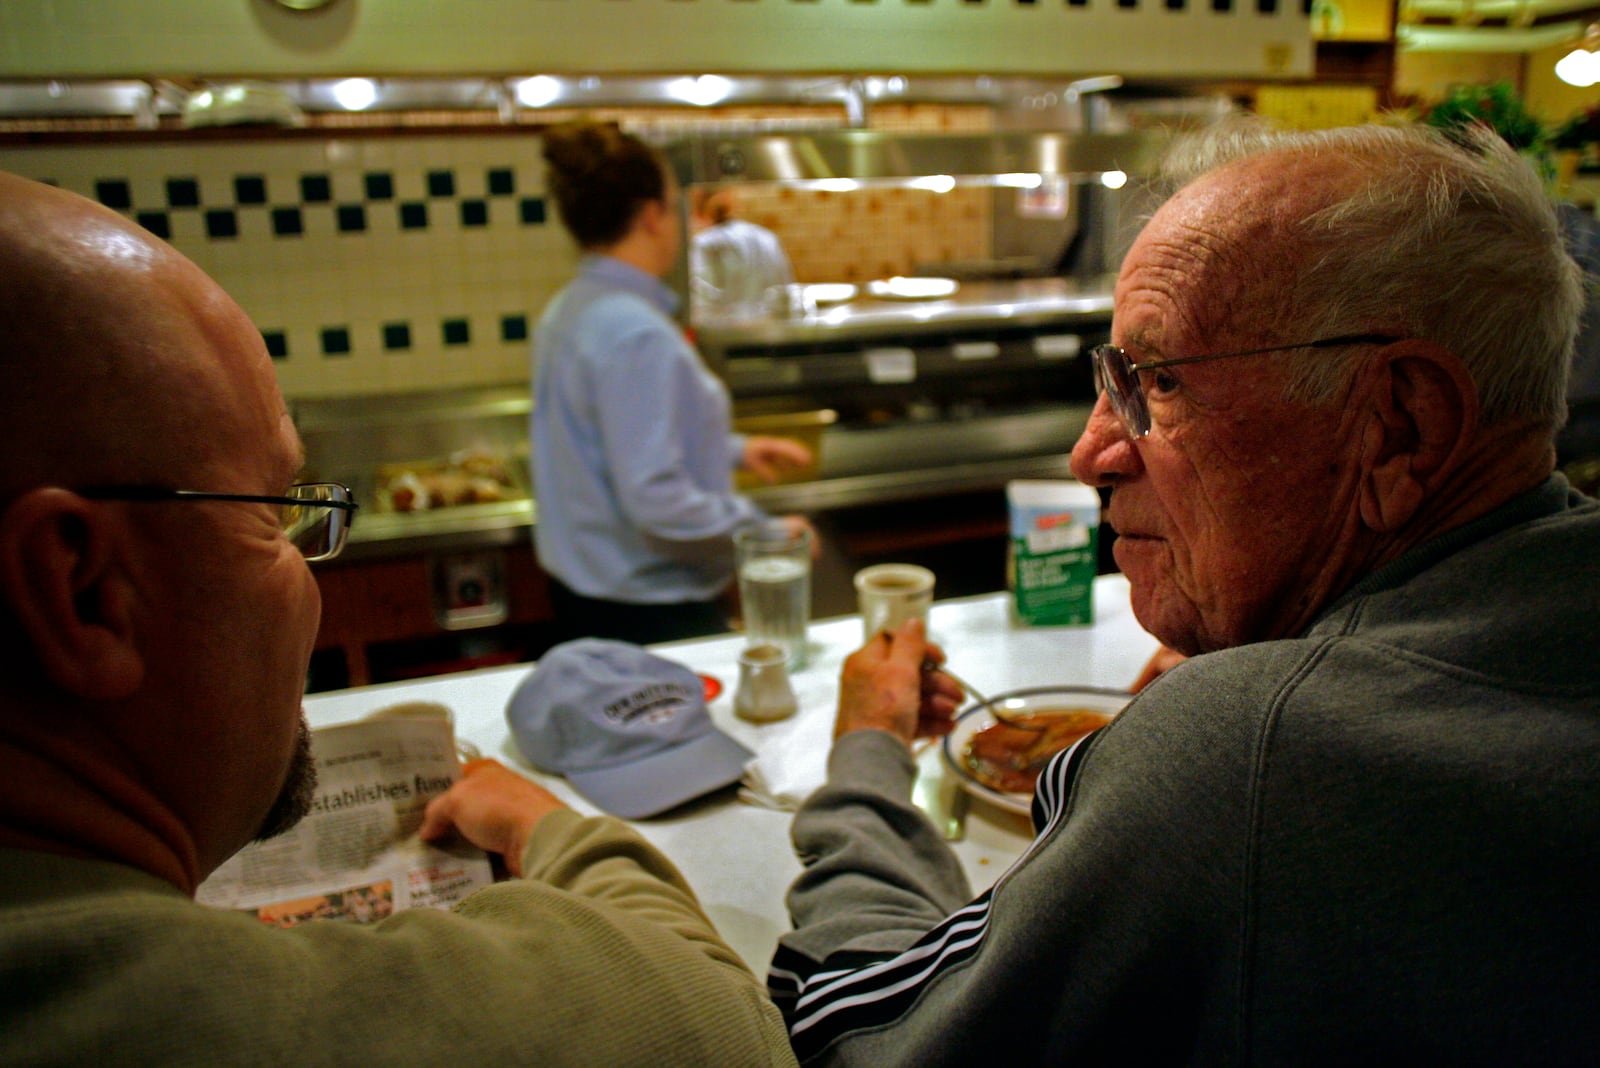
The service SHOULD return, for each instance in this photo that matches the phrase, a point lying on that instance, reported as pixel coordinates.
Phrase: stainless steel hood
(831, 156)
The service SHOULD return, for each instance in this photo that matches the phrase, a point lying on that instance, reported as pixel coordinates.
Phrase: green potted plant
(1580, 133)
(1496, 105)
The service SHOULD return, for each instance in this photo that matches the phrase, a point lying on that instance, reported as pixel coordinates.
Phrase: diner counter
(735, 853)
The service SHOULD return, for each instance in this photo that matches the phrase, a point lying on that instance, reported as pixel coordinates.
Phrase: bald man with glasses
(1359, 821)
(157, 616)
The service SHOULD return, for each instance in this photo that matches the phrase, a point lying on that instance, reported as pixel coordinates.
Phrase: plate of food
(913, 288)
(1001, 762)
(821, 293)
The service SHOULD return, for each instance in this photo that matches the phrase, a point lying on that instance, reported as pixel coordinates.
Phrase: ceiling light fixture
(1019, 180)
(704, 91)
(1581, 66)
(934, 183)
(355, 94)
(538, 91)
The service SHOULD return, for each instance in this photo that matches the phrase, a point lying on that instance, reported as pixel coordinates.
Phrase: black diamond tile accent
(457, 332)
(277, 344)
(316, 188)
(286, 222)
(441, 183)
(1222, 5)
(183, 193)
(1267, 7)
(532, 209)
(513, 328)
(502, 181)
(335, 341)
(1176, 5)
(380, 185)
(156, 222)
(474, 213)
(396, 337)
(414, 216)
(352, 218)
(222, 223)
(250, 189)
(114, 193)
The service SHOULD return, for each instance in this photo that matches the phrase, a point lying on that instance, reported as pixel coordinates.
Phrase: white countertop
(737, 855)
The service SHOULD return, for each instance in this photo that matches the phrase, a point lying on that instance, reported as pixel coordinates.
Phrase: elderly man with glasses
(1361, 821)
(156, 619)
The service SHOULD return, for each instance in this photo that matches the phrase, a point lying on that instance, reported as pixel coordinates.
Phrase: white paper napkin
(792, 755)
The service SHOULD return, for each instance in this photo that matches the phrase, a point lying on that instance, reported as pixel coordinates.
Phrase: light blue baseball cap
(628, 729)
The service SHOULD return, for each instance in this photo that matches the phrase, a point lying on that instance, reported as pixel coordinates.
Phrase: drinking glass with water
(774, 566)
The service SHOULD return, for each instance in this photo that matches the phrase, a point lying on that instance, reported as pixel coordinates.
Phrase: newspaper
(356, 856)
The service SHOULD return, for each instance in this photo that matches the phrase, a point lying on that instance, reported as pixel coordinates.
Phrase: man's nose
(1105, 452)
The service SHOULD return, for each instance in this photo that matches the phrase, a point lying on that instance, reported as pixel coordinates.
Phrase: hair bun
(581, 151)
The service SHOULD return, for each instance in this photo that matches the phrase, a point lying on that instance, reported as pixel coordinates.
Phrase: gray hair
(1448, 238)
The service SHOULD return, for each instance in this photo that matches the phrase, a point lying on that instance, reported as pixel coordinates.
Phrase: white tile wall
(296, 286)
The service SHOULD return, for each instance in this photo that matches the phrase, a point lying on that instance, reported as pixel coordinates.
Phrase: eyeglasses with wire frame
(1115, 371)
(315, 516)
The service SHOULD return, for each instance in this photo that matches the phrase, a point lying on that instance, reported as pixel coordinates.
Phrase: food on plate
(1009, 759)
(471, 477)
(903, 288)
(408, 494)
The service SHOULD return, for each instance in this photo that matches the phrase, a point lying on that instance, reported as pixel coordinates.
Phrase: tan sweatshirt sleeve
(603, 859)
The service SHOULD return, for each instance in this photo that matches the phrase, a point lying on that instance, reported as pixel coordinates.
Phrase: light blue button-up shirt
(633, 451)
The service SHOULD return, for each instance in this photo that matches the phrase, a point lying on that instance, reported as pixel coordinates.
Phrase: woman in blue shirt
(633, 448)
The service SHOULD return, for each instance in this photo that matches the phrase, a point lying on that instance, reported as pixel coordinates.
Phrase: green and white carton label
(1055, 535)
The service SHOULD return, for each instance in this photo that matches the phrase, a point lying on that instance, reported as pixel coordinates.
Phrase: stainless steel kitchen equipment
(940, 401)
(960, 393)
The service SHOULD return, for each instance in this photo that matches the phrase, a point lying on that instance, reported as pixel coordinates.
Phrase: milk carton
(1055, 534)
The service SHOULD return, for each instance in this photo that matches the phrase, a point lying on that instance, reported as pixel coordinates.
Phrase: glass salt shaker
(764, 692)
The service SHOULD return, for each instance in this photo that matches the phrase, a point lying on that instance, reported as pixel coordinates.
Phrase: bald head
(1234, 235)
(1388, 229)
(117, 351)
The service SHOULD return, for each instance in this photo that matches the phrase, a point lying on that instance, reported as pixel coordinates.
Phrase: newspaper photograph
(356, 856)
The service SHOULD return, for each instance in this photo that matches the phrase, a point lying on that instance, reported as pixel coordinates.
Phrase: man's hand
(769, 458)
(492, 807)
(884, 687)
(1163, 659)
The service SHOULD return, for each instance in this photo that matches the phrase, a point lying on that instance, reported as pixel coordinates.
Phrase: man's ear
(1423, 413)
(62, 579)
(652, 215)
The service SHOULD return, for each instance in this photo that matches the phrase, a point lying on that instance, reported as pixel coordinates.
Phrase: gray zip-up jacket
(1376, 842)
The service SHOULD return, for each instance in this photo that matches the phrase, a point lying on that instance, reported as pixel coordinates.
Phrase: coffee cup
(890, 594)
